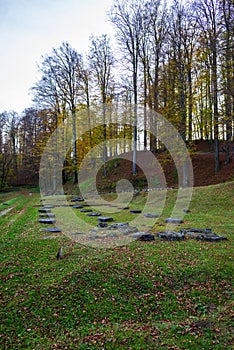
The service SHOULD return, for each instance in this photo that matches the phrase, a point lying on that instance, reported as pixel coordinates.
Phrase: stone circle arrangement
(106, 227)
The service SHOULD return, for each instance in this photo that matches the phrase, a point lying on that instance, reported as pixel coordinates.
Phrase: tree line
(176, 59)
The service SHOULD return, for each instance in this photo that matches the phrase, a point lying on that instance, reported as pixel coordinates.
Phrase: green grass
(160, 295)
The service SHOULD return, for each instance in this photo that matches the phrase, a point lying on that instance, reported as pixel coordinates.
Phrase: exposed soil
(203, 160)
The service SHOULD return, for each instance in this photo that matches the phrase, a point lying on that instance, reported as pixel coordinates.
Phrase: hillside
(202, 156)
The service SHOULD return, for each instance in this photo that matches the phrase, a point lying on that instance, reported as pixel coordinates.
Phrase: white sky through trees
(31, 28)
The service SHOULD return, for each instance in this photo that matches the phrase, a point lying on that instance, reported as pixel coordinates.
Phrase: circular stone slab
(85, 210)
(77, 206)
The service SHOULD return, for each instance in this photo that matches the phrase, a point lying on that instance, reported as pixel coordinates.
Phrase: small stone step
(105, 219)
(52, 229)
(77, 199)
(94, 214)
(174, 221)
(135, 211)
(47, 221)
(151, 216)
(44, 210)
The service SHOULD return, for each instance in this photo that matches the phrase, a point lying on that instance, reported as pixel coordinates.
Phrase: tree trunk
(153, 145)
(216, 114)
(134, 170)
(190, 106)
(228, 96)
(182, 105)
(75, 171)
(145, 104)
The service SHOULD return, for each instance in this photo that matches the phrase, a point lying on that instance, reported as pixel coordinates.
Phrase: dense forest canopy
(175, 58)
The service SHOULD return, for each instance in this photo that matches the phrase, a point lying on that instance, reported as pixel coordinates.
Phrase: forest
(116, 186)
(173, 58)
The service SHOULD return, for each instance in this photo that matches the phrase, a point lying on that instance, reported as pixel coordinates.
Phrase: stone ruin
(107, 228)
(195, 233)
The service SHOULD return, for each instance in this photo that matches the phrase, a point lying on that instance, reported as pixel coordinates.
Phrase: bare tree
(177, 33)
(157, 27)
(12, 121)
(5, 153)
(9, 122)
(227, 22)
(128, 22)
(5, 165)
(35, 127)
(207, 12)
(60, 85)
(101, 62)
(2, 123)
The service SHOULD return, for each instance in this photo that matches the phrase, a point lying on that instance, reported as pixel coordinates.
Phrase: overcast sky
(31, 28)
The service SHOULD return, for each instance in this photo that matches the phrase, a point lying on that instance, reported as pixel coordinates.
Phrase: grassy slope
(160, 295)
